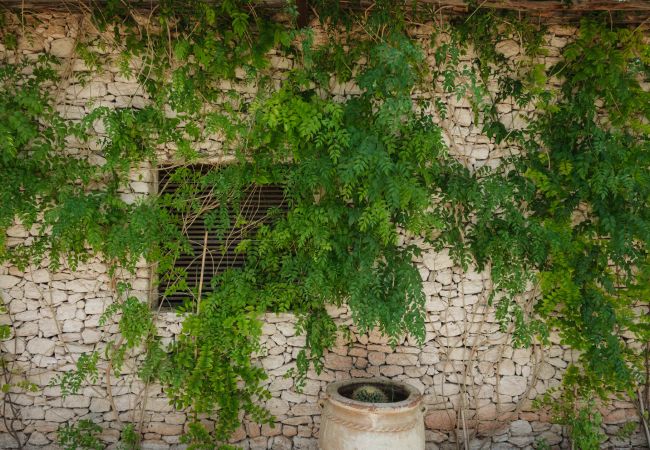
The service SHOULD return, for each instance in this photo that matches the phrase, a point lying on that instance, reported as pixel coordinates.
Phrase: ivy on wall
(568, 211)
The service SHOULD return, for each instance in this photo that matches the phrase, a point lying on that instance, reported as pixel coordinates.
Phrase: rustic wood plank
(554, 11)
(516, 5)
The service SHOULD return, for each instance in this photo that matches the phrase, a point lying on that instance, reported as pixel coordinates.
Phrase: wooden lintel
(628, 11)
(303, 13)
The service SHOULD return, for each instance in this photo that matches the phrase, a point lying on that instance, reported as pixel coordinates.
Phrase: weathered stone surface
(289, 430)
(99, 405)
(273, 362)
(59, 415)
(280, 443)
(463, 117)
(17, 306)
(303, 443)
(164, 429)
(31, 290)
(66, 312)
(8, 441)
(15, 346)
(76, 401)
(376, 358)
(160, 405)
(32, 412)
(120, 88)
(287, 329)
(436, 304)
(39, 276)
(154, 445)
(72, 326)
(431, 288)
(471, 287)
(94, 89)
(521, 356)
(437, 261)
(27, 329)
(94, 306)
(38, 439)
(8, 281)
(444, 277)
(258, 443)
(277, 406)
(90, 336)
(551, 437)
(521, 441)
(124, 402)
(546, 371)
(507, 367)
(26, 316)
(402, 359)
(440, 420)
(503, 446)
(48, 327)
(57, 296)
(481, 152)
(175, 418)
(507, 48)
(81, 286)
(338, 362)
(620, 415)
(17, 231)
(520, 428)
(297, 341)
(62, 48)
(306, 409)
(391, 371)
(512, 385)
(40, 346)
(268, 430)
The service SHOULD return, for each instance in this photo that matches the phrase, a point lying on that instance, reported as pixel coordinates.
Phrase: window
(213, 252)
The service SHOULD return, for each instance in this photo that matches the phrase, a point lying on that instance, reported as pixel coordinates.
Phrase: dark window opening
(214, 248)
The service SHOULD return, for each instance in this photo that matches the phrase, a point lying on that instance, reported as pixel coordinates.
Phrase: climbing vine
(365, 179)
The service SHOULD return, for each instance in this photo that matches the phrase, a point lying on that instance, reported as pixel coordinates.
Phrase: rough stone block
(62, 48)
(520, 428)
(338, 362)
(273, 362)
(437, 261)
(8, 281)
(512, 385)
(40, 346)
(59, 415)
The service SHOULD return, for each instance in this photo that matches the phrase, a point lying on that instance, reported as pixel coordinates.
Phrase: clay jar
(348, 424)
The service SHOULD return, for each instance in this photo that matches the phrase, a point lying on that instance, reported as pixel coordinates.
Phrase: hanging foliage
(365, 178)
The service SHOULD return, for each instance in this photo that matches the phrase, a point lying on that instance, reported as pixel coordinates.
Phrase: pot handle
(321, 401)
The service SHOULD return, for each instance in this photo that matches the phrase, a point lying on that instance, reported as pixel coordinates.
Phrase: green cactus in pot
(368, 393)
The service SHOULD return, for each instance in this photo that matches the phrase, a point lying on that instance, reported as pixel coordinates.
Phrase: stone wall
(477, 387)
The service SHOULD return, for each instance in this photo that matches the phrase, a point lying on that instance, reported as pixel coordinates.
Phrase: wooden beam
(516, 5)
(549, 5)
(553, 11)
(303, 13)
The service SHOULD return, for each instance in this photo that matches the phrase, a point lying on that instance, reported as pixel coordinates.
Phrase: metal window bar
(220, 253)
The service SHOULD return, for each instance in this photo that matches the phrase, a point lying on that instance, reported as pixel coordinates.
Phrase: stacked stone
(465, 360)
(475, 385)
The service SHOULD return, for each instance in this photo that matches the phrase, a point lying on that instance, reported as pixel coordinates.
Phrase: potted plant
(372, 413)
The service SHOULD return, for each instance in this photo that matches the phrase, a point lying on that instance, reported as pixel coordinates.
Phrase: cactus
(369, 394)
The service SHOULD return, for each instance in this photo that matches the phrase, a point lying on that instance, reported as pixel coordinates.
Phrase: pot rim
(412, 400)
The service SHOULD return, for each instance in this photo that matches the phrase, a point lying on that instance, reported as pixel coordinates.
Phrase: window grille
(256, 205)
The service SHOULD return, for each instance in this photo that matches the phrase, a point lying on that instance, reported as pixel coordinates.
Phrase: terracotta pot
(348, 424)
